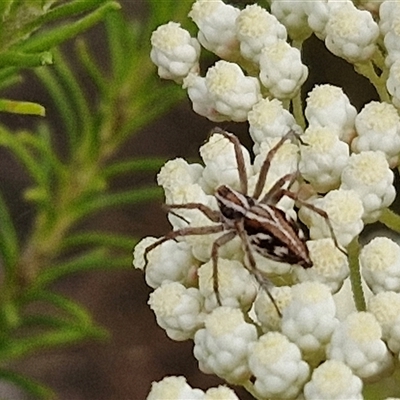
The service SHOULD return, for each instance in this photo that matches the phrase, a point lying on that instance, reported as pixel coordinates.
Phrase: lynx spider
(260, 225)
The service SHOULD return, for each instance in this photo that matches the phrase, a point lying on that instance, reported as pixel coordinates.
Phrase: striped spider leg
(261, 226)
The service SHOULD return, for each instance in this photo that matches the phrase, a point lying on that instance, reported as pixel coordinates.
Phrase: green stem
(390, 219)
(367, 69)
(298, 110)
(355, 276)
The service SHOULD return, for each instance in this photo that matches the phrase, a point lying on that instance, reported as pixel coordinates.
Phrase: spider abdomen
(274, 234)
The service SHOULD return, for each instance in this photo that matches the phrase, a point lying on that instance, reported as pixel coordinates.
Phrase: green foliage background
(68, 188)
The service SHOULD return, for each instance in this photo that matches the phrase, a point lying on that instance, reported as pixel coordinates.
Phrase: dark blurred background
(138, 351)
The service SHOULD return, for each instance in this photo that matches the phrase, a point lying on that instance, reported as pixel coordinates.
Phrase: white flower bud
(292, 15)
(328, 106)
(393, 83)
(237, 287)
(174, 52)
(268, 119)
(323, 157)
(216, 23)
(281, 70)
(318, 15)
(388, 11)
(380, 262)
(345, 211)
(174, 387)
(170, 261)
(391, 41)
(277, 367)
(201, 98)
(256, 28)
(385, 306)
(357, 342)
(330, 265)
(178, 172)
(378, 128)
(220, 393)
(265, 309)
(351, 33)
(368, 174)
(220, 162)
(222, 346)
(309, 319)
(333, 380)
(178, 310)
(233, 93)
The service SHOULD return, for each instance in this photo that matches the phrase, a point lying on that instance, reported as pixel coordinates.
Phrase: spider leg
(274, 194)
(267, 163)
(214, 256)
(188, 231)
(241, 165)
(252, 266)
(212, 215)
(319, 211)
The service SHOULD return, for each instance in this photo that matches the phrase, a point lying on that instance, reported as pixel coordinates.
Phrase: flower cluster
(328, 331)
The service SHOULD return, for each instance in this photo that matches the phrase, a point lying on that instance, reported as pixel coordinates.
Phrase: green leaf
(109, 200)
(52, 38)
(30, 386)
(24, 60)
(9, 247)
(138, 165)
(99, 239)
(22, 107)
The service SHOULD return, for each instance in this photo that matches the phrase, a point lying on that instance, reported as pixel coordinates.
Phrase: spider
(259, 223)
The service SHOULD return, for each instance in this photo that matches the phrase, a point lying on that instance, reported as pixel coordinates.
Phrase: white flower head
(178, 172)
(385, 306)
(265, 309)
(345, 211)
(391, 41)
(393, 82)
(216, 23)
(328, 106)
(233, 93)
(293, 16)
(317, 16)
(256, 28)
(178, 310)
(309, 319)
(323, 157)
(351, 33)
(236, 286)
(378, 128)
(277, 366)
(333, 380)
(268, 119)
(221, 167)
(357, 342)
(281, 70)
(171, 261)
(200, 97)
(221, 347)
(380, 263)
(174, 52)
(388, 11)
(174, 387)
(220, 393)
(368, 174)
(330, 265)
